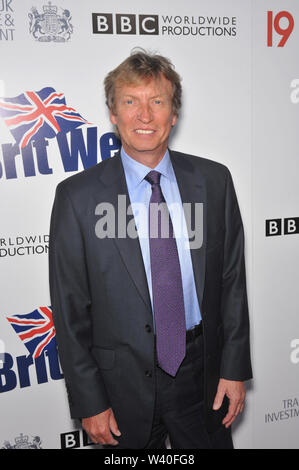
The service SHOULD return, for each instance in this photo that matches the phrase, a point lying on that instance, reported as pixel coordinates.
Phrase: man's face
(144, 117)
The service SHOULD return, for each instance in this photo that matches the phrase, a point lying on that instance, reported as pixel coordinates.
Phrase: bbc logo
(289, 226)
(75, 439)
(108, 23)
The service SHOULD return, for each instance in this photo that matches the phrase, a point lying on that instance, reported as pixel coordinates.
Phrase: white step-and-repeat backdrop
(239, 63)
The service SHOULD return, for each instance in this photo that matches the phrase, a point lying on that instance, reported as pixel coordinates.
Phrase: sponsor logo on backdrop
(164, 25)
(287, 226)
(295, 91)
(108, 23)
(7, 22)
(53, 24)
(36, 331)
(33, 118)
(289, 409)
(24, 442)
(2, 352)
(294, 356)
(279, 28)
(75, 439)
(24, 245)
(38, 114)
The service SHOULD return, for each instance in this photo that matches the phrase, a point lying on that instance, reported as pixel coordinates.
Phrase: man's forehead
(160, 84)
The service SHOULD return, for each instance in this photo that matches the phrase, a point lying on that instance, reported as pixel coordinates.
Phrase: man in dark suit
(152, 327)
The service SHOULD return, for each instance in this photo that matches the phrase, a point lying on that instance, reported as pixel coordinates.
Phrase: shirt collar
(135, 171)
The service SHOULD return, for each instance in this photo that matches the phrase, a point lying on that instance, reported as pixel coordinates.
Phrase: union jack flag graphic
(38, 114)
(35, 329)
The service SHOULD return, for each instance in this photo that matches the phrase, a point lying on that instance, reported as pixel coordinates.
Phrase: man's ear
(112, 117)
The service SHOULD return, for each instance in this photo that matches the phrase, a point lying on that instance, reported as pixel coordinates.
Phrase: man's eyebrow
(127, 95)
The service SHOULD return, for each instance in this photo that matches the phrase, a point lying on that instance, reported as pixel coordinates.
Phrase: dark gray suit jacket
(101, 305)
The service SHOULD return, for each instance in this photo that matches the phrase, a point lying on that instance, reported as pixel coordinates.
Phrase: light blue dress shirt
(140, 192)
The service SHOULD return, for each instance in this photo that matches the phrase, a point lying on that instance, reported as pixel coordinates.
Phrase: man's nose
(145, 113)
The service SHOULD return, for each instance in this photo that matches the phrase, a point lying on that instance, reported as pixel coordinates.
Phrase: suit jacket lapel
(129, 248)
(193, 190)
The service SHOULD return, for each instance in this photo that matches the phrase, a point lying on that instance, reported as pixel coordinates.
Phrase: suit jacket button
(148, 328)
(148, 373)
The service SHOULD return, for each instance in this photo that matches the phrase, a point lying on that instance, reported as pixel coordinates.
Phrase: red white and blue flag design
(35, 329)
(38, 114)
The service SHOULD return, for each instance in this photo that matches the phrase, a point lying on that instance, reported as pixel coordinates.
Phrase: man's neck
(150, 159)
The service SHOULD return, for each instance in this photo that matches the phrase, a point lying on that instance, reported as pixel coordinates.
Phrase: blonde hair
(140, 66)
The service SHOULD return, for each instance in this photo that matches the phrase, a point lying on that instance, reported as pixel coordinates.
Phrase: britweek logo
(36, 331)
(33, 118)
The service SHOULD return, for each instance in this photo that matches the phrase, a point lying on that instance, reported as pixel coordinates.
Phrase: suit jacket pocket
(105, 357)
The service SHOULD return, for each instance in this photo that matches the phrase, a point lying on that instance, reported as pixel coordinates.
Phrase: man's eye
(129, 101)
(157, 101)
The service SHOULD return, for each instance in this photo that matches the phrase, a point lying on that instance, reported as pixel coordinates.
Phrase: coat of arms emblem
(22, 442)
(50, 25)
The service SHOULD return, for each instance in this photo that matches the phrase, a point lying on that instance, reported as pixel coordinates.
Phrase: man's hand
(235, 391)
(99, 428)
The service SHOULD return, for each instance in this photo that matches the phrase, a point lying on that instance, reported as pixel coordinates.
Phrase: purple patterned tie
(167, 287)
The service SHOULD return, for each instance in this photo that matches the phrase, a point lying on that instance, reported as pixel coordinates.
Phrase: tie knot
(153, 177)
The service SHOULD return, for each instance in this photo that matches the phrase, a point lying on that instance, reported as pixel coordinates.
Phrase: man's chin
(146, 148)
